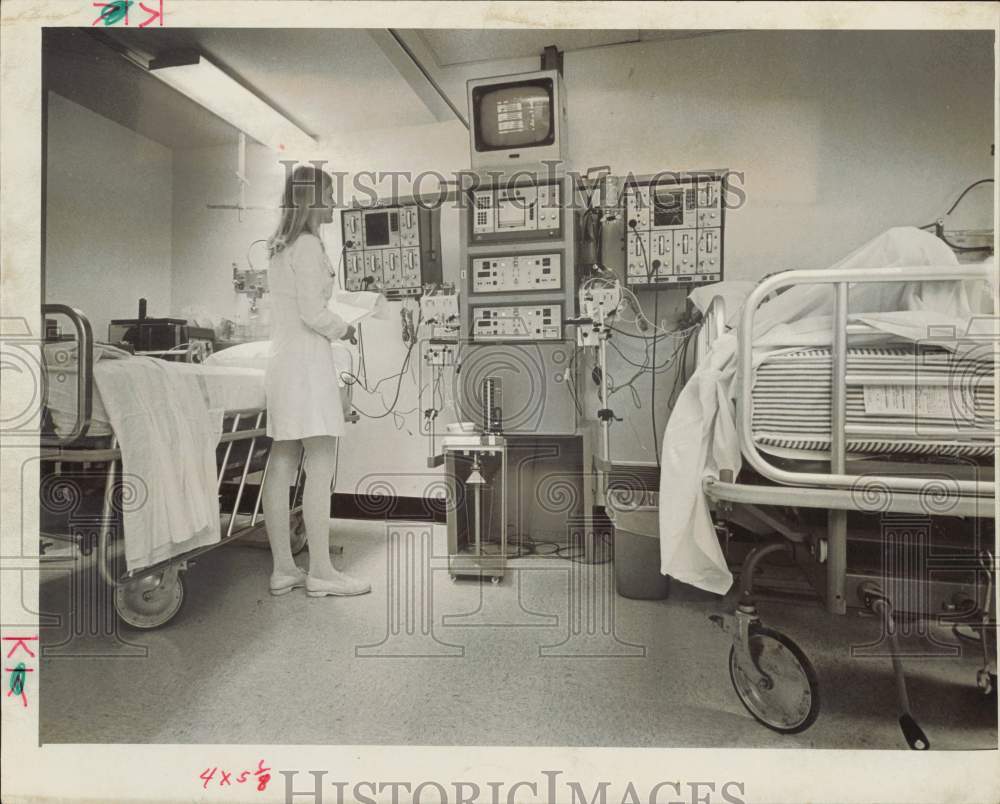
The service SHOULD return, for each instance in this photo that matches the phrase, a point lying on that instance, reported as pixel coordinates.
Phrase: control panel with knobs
(392, 249)
(675, 229)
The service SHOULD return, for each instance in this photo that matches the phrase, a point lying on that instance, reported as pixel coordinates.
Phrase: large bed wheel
(298, 533)
(788, 700)
(151, 601)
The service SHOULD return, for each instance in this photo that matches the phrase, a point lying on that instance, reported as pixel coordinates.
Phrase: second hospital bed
(907, 482)
(899, 435)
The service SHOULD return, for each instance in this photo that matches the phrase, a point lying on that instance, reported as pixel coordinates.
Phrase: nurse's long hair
(297, 203)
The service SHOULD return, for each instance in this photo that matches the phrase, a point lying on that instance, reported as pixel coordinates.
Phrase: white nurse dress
(303, 399)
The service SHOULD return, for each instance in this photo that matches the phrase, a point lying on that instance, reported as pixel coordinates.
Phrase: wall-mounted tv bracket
(552, 59)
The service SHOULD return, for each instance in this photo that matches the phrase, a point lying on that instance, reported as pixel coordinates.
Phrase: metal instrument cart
(476, 473)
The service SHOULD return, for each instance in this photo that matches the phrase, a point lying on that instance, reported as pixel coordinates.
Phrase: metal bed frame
(150, 597)
(770, 673)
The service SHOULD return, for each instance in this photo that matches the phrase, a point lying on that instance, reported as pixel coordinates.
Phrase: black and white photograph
(516, 388)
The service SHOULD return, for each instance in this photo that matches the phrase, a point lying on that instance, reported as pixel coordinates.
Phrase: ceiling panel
(83, 70)
(325, 80)
(454, 46)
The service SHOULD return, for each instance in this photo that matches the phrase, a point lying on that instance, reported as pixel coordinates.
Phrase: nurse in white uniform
(303, 400)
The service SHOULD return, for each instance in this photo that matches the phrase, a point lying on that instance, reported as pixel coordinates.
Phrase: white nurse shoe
(341, 586)
(283, 584)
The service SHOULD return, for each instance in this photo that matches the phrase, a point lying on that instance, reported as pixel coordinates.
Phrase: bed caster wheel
(453, 577)
(151, 601)
(786, 700)
(495, 580)
(298, 534)
(987, 682)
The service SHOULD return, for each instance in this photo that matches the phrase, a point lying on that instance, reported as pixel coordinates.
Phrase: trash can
(635, 516)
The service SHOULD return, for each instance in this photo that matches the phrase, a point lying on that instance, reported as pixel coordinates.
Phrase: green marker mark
(115, 11)
(17, 679)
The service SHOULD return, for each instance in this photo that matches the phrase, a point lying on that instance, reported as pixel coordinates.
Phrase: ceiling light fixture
(193, 75)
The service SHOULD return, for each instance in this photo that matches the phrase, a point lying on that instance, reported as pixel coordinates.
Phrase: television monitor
(517, 119)
(514, 115)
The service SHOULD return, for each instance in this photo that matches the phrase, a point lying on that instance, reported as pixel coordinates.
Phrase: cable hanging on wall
(939, 231)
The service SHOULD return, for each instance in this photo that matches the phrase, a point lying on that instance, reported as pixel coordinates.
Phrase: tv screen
(377, 229)
(514, 115)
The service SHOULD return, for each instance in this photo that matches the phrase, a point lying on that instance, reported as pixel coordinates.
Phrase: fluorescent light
(204, 83)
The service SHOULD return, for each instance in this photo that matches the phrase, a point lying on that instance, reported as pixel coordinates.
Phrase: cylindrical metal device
(492, 406)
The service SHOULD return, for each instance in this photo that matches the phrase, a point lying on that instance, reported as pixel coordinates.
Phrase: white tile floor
(439, 662)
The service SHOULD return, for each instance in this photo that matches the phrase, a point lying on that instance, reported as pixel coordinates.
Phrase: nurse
(303, 400)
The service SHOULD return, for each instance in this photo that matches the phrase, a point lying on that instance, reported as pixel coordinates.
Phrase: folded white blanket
(168, 437)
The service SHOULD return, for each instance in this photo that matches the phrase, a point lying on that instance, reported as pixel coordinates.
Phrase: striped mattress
(900, 399)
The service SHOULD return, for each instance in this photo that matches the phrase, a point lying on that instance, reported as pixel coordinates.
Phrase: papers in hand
(354, 306)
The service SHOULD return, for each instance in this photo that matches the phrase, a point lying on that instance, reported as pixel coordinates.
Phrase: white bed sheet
(701, 431)
(256, 355)
(223, 388)
(168, 420)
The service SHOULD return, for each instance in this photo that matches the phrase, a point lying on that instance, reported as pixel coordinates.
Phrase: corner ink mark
(153, 15)
(18, 674)
(114, 12)
(16, 684)
(117, 10)
(20, 642)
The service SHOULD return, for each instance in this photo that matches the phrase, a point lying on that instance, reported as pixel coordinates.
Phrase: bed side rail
(713, 326)
(84, 375)
(841, 281)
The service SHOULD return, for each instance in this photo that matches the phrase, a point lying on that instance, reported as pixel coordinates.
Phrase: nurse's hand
(350, 335)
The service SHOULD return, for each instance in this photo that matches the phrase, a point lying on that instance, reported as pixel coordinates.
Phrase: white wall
(108, 224)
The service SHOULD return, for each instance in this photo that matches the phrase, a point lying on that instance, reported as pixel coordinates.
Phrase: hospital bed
(916, 481)
(82, 464)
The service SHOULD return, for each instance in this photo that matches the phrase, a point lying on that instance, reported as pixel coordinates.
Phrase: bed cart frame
(770, 673)
(152, 596)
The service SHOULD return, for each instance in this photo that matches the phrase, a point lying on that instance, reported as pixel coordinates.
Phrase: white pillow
(253, 355)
